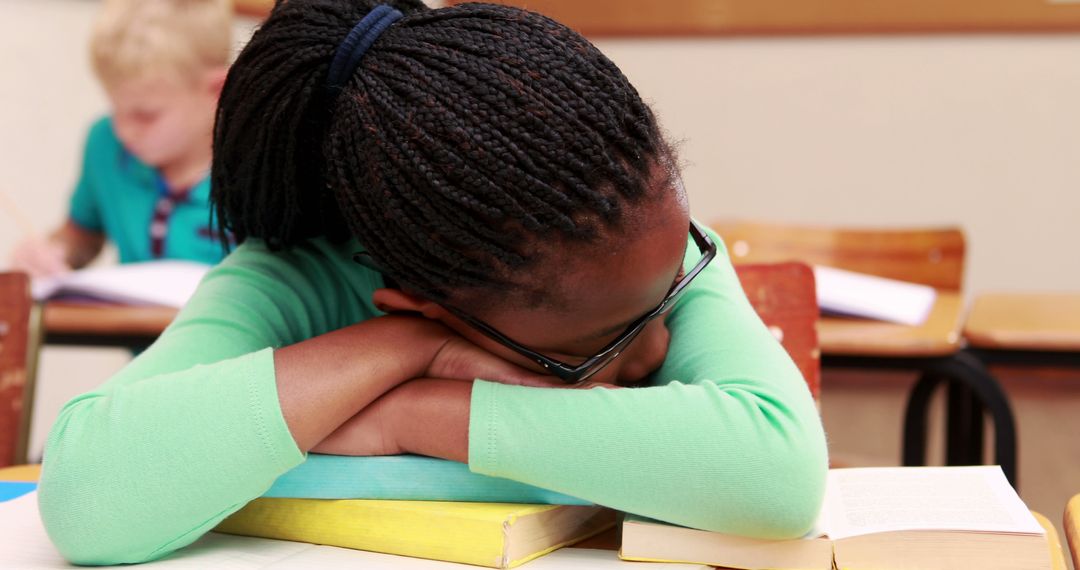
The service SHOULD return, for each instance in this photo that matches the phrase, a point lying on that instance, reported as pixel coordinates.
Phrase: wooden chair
(1072, 528)
(18, 359)
(784, 297)
(931, 256)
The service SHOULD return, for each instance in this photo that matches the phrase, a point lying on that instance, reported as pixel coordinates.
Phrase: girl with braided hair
(457, 226)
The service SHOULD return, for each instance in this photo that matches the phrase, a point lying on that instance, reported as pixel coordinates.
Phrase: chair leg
(915, 417)
(993, 399)
(972, 392)
(965, 426)
(981, 394)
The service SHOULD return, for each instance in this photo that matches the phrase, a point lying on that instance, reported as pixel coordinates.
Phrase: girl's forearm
(324, 381)
(431, 417)
(423, 417)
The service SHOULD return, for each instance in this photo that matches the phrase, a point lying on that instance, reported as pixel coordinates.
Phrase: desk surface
(938, 336)
(610, 540)
(1025, 321)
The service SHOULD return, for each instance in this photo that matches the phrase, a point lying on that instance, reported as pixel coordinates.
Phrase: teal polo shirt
(117, 195)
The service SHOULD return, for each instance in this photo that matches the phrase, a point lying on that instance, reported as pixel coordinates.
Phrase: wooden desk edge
(1072, 528)
(105, 320)
(1020, 340)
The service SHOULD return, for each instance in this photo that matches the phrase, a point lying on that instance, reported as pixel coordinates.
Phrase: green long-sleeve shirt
(726, 439)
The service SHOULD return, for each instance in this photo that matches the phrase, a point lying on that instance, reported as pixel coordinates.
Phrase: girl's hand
(459, 359)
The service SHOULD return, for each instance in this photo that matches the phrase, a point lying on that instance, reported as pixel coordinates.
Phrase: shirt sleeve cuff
(483, 428)
(266, 411)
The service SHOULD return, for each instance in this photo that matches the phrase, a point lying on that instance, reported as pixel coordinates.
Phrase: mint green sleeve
(727, 438)
(192, 429)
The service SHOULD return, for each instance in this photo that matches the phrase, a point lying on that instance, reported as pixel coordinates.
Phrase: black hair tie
(352, 49)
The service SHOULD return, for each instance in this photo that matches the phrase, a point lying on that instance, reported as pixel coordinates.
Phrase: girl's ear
(398, 301)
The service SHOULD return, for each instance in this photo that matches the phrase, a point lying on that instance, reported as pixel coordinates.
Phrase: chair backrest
(784, 297)
(15, 306)
(1072, 528)
(931, 256)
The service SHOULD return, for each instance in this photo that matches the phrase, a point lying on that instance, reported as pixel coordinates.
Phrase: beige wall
(983, 131)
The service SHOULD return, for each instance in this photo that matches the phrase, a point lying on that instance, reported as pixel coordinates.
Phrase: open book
(854, 294)
(168, 283)
(910, 518)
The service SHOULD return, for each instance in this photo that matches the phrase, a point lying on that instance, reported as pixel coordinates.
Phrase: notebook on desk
(847, 293)
(167, 283)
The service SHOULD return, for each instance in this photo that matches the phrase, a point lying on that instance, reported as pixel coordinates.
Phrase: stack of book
(420, 507)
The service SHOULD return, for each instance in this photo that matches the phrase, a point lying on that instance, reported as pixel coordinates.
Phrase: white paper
(168, 283)
(25, 546)
(873, 297)
(881, 499)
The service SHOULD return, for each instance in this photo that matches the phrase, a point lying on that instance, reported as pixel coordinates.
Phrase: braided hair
(466, 139)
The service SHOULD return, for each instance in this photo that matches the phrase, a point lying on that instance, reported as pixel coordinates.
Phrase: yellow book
(496, 535)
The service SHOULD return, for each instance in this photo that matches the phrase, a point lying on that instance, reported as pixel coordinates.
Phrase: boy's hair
(134, 38)
(467, 141)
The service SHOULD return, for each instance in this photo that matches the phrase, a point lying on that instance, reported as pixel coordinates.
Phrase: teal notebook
(15, 489)
(404, 477)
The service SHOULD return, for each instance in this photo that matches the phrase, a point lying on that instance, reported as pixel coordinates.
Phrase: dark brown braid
(466, 138)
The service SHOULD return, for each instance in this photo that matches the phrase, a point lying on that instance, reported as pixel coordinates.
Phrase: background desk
(934, 349)
(85, 324)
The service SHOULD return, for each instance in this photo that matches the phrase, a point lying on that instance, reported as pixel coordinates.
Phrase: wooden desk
(938, 336)
(1025, 321)
(87, 324)
(610, 540)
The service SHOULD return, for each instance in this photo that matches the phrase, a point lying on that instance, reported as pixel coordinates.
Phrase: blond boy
(144, 182)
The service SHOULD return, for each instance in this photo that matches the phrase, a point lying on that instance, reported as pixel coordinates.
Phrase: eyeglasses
(576, 374)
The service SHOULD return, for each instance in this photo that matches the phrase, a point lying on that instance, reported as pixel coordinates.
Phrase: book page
(870, 500)
(168, 283)
(873, 297)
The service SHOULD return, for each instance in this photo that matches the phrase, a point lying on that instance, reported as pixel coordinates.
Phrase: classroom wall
(981, 131)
